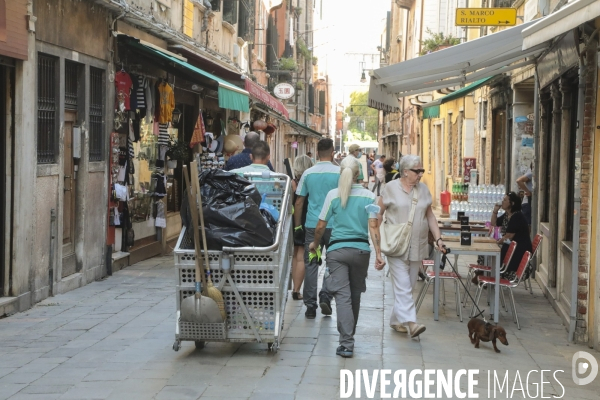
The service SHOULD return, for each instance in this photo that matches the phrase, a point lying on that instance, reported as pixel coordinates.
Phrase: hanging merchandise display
(144, 109)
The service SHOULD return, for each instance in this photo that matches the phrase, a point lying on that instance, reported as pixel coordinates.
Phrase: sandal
(296, 296)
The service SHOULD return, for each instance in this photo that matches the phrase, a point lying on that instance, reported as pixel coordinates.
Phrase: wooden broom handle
(194, 212)
(194, 166)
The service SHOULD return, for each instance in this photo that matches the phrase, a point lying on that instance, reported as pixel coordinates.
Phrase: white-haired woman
(395, 204)
(301, 164)
(354, 211)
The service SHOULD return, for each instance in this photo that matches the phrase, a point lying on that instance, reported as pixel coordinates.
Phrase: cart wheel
(199, 344)
(177, 345)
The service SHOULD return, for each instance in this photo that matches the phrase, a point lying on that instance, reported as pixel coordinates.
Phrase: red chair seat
(491, 280)
(478, 267)
(443, 274)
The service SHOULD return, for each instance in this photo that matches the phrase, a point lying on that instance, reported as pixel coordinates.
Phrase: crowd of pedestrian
(334, 211)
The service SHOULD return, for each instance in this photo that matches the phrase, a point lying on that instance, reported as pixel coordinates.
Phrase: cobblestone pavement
(113, 339)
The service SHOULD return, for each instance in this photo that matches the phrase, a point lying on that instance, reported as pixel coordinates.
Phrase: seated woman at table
(514, 227)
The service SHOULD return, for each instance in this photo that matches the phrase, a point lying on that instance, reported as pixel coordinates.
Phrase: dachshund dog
(484, 331)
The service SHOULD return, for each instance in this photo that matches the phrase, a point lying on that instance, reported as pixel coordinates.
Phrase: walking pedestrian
(377, 168)
(243, 159)
(356, 152)
(315, 183)
(260, 155)
(301, 164)
(348, 252)
(396, 203)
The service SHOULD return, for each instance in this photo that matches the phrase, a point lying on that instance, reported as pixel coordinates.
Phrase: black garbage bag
(232, 217)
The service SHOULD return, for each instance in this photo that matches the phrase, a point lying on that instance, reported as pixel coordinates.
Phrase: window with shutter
(47, 96)
(230, 11)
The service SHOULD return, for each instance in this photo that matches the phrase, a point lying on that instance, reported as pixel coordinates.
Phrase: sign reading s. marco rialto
(486, 17)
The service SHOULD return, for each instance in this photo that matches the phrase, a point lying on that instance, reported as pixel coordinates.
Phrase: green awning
(431, 112)
(304, 128)
(456, 95)
(230, 97)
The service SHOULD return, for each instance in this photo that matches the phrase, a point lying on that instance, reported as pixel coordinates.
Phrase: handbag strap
(413, 207)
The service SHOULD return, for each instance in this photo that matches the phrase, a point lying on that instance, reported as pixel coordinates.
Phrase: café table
(479, 246)
(455, 228)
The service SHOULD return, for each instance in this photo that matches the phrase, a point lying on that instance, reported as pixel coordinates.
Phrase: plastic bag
(232, 216)
(270, 208)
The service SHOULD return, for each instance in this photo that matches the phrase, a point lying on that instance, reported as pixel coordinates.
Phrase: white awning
(464, 63)
(569, 17)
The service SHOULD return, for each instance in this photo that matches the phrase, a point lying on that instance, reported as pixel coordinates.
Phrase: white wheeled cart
(253, 280)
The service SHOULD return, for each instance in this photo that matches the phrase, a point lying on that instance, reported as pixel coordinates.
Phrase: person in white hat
(355, 151)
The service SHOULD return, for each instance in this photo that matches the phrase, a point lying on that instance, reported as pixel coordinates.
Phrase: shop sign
(486, 17)
(294, 145)
(468, 164)
(284, 91)
(264, 97)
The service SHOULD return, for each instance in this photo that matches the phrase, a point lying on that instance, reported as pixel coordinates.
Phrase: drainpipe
(577, 188)
(51, 255)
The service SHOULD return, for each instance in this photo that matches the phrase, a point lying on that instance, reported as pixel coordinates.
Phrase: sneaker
(399, 328)
(325, 307)
(417, 331)
(311, 312)
(344, 352)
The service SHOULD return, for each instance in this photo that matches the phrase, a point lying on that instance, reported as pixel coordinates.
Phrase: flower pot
(172, 164)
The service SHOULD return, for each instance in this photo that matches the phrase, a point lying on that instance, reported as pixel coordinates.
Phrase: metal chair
(430, 277)
(537, 240)
(504, 283)
(485, 268)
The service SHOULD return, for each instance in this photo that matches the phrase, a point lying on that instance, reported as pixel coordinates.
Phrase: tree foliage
(363, 119)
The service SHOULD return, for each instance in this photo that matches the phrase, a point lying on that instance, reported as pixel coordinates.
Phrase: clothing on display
(149, 103)
(166, 102)
(199, 131)
(161, 221)
(123, 86)
(163, 134)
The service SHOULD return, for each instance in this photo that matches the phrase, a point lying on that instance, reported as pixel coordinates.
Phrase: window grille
(47, 109)
(96, 114)
(71, 85)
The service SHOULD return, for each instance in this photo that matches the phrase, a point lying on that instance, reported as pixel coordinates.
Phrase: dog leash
(443, 265)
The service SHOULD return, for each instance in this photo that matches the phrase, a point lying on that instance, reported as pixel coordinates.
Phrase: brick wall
(589, 118)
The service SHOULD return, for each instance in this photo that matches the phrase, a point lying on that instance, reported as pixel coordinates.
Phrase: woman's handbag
(395, 238)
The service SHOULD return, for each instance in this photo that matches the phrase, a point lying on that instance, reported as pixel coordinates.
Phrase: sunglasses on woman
(418, 171)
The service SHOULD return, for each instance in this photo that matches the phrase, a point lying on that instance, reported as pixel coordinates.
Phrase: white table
(483, 249)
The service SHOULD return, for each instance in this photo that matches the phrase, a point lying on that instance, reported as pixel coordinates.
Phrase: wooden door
(69, 266)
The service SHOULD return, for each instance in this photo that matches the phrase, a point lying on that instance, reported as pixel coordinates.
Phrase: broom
(209, 289)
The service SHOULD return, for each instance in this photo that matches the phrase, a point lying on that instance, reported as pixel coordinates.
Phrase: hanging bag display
(395, 238)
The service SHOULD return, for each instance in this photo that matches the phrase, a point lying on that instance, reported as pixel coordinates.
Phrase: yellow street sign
(486, 16)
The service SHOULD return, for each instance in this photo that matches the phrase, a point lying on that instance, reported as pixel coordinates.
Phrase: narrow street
(112, 339)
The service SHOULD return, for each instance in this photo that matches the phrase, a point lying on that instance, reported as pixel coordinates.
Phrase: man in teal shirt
(315, 183)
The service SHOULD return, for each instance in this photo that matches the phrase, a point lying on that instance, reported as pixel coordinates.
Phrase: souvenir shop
(167, 113)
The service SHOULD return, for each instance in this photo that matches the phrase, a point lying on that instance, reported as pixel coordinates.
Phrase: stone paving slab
(112, 340)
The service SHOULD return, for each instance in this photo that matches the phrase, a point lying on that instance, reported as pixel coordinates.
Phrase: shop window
(230, 11)
(570, 214)
(96, 145)
(47, 96)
